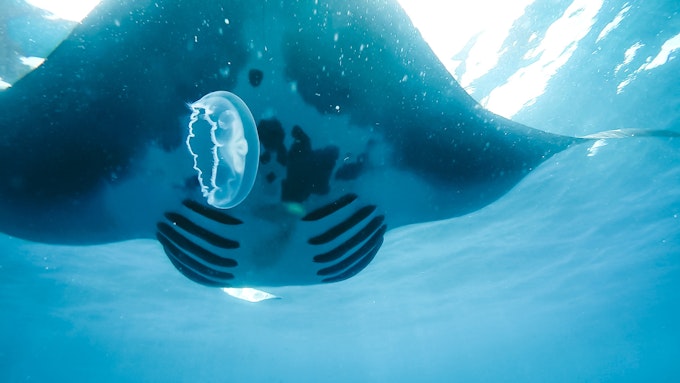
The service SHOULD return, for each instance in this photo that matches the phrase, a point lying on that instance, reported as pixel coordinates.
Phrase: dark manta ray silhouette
(361, 129)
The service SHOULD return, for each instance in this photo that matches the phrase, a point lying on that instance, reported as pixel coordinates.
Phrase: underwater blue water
(574, 275)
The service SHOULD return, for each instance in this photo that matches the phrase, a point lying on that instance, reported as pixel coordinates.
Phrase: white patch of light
(32, 62)
(595, 147)
(448, 26)
(628, 56)
(614, 23)
(664, 55)
(74, 10)
(4, 85)
(249, 294)
(670, 46)
(624, 83)
(560, 42)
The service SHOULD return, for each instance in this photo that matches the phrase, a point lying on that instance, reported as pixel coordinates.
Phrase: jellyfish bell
(224, 144)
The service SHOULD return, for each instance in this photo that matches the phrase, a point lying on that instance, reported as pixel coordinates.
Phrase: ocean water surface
(574, 275)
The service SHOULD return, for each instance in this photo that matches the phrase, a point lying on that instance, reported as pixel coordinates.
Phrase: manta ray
(349, 126)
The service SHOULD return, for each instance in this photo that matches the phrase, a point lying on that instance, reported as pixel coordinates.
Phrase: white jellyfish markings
(226, 149)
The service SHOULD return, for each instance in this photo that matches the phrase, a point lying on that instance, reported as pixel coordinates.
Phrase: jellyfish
(224, 144)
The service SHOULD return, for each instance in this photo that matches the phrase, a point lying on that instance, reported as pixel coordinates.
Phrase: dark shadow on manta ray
(91, 142)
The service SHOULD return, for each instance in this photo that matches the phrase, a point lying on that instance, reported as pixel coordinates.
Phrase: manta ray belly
(339, 164)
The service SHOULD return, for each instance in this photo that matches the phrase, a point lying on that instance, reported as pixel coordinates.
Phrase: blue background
(574, 275)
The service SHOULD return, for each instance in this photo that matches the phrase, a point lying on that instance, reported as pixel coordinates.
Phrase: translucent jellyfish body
(226, 149)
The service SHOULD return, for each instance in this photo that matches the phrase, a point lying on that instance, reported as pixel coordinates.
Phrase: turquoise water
(577, 282)
(572, 276)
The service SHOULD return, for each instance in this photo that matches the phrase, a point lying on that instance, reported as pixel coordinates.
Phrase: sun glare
(468, 38)
(74, 10)
(249, 294)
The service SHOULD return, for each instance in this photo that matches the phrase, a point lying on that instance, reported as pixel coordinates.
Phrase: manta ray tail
(633, 132)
